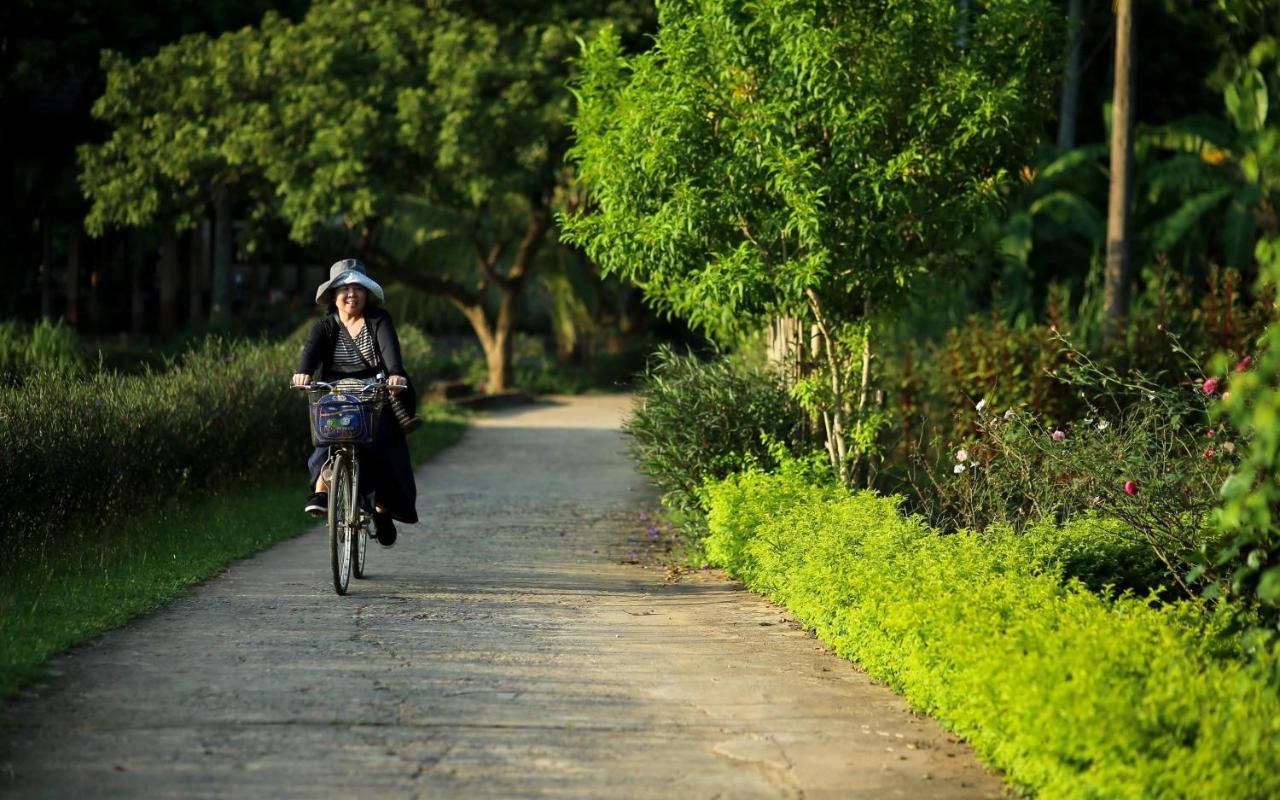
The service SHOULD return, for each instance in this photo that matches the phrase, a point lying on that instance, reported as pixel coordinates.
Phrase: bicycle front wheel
(361, 545)
(342, 510)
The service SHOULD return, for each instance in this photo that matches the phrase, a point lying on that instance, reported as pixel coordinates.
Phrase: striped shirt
(347, 360)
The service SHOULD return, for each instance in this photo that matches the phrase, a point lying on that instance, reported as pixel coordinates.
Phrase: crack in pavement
(757, 752)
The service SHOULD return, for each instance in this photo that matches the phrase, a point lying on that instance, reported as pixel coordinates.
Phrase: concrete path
(500, 650)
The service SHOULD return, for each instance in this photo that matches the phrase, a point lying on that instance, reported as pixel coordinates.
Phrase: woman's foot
(385, 528)
(317, 505)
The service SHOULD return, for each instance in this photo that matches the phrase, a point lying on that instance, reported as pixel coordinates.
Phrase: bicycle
(344, 418)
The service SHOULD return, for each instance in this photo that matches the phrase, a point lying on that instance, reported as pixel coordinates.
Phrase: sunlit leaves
(763, 150)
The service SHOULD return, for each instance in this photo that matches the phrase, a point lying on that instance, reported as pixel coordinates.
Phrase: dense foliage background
(957, 376)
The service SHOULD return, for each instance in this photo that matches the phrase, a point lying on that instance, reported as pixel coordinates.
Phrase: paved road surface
(501, 650)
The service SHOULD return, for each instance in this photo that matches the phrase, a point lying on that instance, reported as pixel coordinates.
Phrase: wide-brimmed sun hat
(348, 270)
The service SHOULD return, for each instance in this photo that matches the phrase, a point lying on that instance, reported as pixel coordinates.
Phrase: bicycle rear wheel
(342, 507)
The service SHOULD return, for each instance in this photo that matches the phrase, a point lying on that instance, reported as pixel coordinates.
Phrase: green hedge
(110, 443)
(1073, 693)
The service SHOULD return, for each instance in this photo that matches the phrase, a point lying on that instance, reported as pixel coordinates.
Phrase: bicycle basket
(342, 419)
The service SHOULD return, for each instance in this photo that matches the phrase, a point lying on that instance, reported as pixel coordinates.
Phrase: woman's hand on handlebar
(300, 380)
(395, 383)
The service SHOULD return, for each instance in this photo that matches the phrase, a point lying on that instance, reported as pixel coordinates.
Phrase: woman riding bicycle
(358, 341)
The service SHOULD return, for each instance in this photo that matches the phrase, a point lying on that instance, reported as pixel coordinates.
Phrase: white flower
(961, 455)
(981, 404)
(958, 468)
(1103, 425)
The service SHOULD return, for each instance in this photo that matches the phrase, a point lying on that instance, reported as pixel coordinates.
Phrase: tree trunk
(860, 475)
(1115, 293)
(496, 337)
(835, 420)
(495, 342)
(498, 350)
(197, 273)
(1068, 110)
(786, 347)
(223, 244)
(73, 275)
(500, 360)
(46, 268)
(89, 255)
(168, 279)
(137, 266)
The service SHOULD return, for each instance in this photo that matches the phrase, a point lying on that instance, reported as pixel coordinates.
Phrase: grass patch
(63, 590)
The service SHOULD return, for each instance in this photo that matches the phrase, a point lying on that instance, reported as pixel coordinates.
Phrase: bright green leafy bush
(697, 420)
(1248, 560)
(1071, 692)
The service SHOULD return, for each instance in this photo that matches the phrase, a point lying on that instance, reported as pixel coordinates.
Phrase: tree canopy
(426, 138)
(801, 157)
(758, 153)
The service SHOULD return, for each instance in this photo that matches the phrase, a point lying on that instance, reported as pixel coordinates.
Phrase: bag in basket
(340, 418)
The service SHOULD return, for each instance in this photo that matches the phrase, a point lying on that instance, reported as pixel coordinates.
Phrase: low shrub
(697, 420)
(110, 442)
(46, 348)
(1073, 693)
(537, 372)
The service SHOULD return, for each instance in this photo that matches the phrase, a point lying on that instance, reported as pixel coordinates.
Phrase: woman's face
(350, 299)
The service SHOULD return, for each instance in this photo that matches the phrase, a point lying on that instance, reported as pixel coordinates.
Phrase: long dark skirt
(386, 476)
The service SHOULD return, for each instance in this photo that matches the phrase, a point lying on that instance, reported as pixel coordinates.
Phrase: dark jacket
(386, 344)
(386, 471)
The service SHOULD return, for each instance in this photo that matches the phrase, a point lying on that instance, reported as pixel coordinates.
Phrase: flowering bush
(1145, 455)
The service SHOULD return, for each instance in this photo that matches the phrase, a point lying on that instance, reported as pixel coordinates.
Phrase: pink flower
(1131, 488)
(1244, 363)
(1209, 433)
(1210, 385)
(1059, 436)
(1208, 452)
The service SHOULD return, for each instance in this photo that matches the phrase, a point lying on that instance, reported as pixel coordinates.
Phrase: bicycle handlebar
(363, 391)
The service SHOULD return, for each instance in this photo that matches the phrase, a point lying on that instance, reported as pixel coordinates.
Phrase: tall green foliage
(426, 138)
(801, 158)
(1250, 512)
